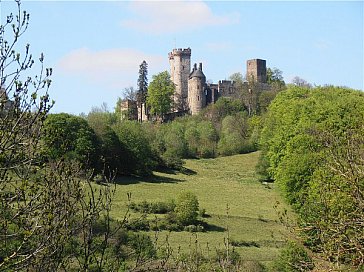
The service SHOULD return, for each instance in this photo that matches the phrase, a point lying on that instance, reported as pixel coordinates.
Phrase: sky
(95, 47)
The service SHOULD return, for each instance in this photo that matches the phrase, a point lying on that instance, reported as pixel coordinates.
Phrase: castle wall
(256, 70)
(226, 88)
(128, 109)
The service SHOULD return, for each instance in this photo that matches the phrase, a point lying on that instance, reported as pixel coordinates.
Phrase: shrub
(194, 228)
(141, 223)
(244, 243)
(162, 207)
(159, 207)
(142, 245)
(186, 208)
(293, 258)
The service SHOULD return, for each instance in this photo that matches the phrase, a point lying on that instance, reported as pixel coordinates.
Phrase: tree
(139, 158)
(143, 81)
(142, 87)
(274, 75)
(160, 94)
(297, 81)
(130, 94)
(248, 91)
(113, 156)
(70, 137)
(313, 143)
(44, 207)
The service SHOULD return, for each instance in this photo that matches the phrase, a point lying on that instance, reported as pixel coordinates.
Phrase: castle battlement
(193, 93)
(179, 52)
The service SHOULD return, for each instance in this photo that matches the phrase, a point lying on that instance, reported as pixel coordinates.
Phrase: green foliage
(140, 158)
(114, 156)
(234, 137)
(313, 147)
(186, 208)
(293, 258)
(262, 168)
(174, 144)
(160, 94)
(274, 75)
(70, 137)
(142, 82)
(222, 108)
(159, 207)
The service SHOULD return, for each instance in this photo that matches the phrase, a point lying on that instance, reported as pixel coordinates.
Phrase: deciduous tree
(160, 94)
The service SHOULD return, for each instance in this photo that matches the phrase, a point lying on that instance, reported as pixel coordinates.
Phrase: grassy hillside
(239, 206)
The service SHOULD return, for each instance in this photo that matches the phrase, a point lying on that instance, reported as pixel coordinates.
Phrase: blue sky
(95, 47)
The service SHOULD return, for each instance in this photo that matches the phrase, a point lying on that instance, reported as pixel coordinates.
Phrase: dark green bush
(138, 224)
(159, 207)
(244, 243)
(293, 258)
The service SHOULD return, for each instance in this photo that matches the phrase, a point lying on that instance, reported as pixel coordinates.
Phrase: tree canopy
(160, 94)
(313, 143)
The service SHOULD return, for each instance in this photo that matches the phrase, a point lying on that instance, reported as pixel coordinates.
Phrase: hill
(239, 207)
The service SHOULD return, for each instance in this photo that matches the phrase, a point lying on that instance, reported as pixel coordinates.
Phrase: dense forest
(57, 171)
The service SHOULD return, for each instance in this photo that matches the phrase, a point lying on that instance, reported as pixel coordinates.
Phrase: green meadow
(238, 206)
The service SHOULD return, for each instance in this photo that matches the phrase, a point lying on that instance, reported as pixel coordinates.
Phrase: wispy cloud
(322, 44)
(113, 68)
(171, 16)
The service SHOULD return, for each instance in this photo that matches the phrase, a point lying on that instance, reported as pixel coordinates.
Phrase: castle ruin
(193, 93)
(191, 85)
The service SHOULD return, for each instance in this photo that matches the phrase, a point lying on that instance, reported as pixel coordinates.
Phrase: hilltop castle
(192, 92)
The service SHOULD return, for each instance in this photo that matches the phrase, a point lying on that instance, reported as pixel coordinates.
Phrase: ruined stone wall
(256, 70)
(128, 109)
(226, 88)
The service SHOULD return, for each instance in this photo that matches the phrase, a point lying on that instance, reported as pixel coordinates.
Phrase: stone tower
(256, 70)
(180, 63)
(196, 90)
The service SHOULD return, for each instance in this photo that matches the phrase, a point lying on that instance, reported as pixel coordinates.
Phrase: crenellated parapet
(179, 52)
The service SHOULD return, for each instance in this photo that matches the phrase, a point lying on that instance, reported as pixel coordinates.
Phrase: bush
(194, 228)
(141, 223)
(186, 208)
(159, 207)
(132, 135)
(293, 258)
(244, 243)
(162, 207)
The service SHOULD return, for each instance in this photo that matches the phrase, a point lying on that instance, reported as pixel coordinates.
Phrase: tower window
(198, 87)
(198, 98)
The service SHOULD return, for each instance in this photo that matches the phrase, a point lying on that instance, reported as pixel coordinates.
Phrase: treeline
(313, 147)
(107, 144)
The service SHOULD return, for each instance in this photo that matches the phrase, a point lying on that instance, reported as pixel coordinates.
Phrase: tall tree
(142, 86)
(160, 94)
(297, 81)
(44, 208)
(274, 75)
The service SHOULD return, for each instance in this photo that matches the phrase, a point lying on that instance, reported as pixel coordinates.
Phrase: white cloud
(170, 16)
(113, 68)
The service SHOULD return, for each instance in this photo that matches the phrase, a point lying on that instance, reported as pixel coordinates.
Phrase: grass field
(239, 206)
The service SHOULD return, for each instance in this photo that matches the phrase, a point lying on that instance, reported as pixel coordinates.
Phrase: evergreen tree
(142, 86)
